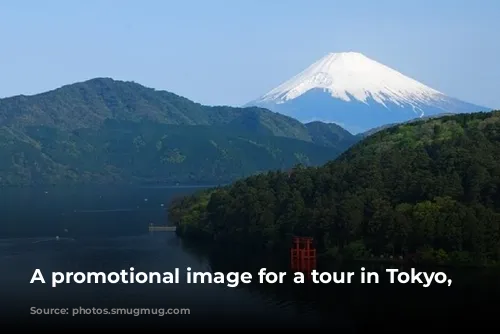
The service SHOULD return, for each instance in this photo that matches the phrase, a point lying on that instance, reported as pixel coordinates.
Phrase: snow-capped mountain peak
(352, 75)
(357, 92)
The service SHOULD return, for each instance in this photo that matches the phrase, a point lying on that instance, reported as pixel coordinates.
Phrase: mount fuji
(359, 94)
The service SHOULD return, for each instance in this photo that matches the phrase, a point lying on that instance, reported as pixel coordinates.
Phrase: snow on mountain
(357, 93)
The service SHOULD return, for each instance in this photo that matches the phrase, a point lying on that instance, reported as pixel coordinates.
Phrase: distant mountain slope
(130, 152)
(104, 130)
(330, 134)
(386, 126)
(357, 93)
(88, 104)
(427, 189)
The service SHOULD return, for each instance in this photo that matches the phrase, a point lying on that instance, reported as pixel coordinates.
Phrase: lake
(105, 229)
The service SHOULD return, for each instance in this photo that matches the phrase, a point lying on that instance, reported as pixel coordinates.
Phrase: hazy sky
(230, 52)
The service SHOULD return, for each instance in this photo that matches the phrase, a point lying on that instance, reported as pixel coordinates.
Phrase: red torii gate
(303, 255)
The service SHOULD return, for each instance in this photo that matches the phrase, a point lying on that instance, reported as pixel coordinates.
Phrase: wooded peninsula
(428, 190)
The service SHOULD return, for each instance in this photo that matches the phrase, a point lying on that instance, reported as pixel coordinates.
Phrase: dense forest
(108, 131)
(426, 189)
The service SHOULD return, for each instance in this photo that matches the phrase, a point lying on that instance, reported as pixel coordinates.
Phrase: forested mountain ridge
(105, 131)
(90, 103)
(426, 188)
(380, 128)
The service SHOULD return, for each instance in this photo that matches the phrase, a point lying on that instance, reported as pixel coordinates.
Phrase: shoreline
(427, 264)
(135, 185)
(330, 259)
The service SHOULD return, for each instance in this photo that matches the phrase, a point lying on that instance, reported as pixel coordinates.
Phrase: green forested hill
(330, 134)
(428, 188)
(89, 104)
(386, 126)
(104, 130)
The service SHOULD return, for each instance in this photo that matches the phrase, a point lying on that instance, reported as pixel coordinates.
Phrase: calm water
(105, 229)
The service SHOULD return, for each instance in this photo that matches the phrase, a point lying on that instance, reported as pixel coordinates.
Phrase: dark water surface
(105, 230)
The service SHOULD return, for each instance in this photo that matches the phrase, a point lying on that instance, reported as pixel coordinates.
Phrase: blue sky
(230, 52)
